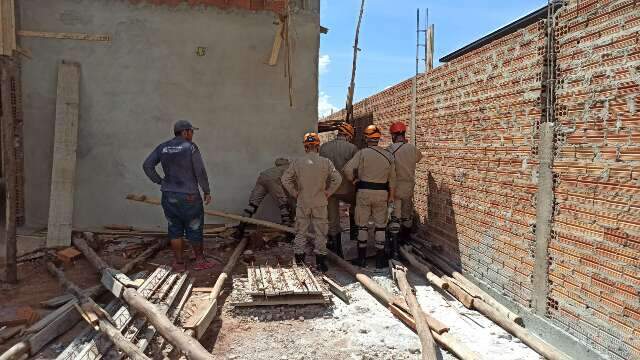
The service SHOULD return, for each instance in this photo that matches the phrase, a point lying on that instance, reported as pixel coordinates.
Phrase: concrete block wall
(594, 251)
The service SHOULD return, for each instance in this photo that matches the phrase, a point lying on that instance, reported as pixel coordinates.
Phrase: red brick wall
(477, 123)
(595, 268)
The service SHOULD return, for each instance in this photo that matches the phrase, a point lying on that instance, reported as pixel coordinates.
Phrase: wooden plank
(336, 289)
(64, 35)
(10, 167)
(286, 284)
(202, 289)
(277, 45)
(8, 36)
(64, 156)
(284, 300)
(314, 281)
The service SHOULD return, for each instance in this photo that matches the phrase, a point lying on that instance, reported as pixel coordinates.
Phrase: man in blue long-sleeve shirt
(181, 201)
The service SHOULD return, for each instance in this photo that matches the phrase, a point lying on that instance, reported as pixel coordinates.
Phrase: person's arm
(335, 179)
(288, 180)
(349, 168)
(201, 173)
(149, 166)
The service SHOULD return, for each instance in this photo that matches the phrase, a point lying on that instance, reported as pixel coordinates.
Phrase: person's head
(373, 134)
(345, 130)
(184, 129)
(398, 130)
(311, 142)
(282, 162)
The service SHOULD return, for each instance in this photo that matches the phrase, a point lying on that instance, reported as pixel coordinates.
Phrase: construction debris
(336, 289)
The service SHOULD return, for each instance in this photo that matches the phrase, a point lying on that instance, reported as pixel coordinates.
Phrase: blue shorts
(185, 215)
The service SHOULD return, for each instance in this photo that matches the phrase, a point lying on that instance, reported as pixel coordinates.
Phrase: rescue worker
(373, 171)
(183, 171)
(406, 157)
(340, 151)
(268, 183)
(311, 179)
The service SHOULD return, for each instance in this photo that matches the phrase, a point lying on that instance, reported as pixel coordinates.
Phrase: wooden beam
(9, 171)
(277, 45)
(203, 318)
(336, 289)
(64, 156)
(429, 347)
(64, 35)
(7, 27)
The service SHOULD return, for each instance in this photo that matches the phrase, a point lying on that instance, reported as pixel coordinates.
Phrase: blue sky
(388, 38)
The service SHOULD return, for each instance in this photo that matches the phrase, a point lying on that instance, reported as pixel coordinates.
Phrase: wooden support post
(103, 324)
(64, 156)
(9, 172)
(203, 318)
(429, 348)
(189, 346)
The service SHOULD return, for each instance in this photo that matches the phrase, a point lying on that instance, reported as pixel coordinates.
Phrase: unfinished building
(217, 70)
(560, 247)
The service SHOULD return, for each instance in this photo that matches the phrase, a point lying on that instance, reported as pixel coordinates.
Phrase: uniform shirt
(406, 157)
(273, 174)
(308, 177)
(340, 151)
(373, 164)
(182, 166)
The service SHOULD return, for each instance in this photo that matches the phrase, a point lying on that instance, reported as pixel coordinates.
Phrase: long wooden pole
(429, 347)
(9, 173)
(188, 345)
(205, 317)
(147, 200)
(352, 84)
(445, 339)
(103, 324)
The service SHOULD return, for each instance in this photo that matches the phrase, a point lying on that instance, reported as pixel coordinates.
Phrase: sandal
(178, 267)
(204, 265)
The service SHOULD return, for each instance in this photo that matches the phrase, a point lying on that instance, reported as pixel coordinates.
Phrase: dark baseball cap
(183, 125)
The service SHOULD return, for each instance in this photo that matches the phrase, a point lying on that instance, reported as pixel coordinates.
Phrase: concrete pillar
(544, 214)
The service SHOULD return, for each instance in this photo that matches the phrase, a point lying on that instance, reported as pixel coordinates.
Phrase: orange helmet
(398, 128)
(311, 138)
(372, 132)
(346, 129)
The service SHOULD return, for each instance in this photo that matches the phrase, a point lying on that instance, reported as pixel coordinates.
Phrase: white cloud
(325, 108)
(323, 64)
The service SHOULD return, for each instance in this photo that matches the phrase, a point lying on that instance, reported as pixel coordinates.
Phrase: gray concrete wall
(135, 87)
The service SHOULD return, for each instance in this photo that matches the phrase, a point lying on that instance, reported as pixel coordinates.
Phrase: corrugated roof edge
(505, 30)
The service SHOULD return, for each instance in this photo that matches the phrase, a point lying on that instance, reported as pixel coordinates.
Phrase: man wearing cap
(268, 183)
(183, 171)
(311, 179)
(340, 151)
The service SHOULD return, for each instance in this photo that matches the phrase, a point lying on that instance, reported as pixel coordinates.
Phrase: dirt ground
(363, 329)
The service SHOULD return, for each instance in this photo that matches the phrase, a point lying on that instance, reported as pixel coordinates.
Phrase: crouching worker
(311, 179)
(374, 172)
(181, 201)
(268, 183)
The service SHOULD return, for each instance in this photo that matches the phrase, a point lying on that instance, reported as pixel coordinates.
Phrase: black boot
(239, 233)
(331, 243)
(299, 258)
(321, 265)
(362, 258)
(381, 259)
(395, 247)
(405, 235)
(339, 246)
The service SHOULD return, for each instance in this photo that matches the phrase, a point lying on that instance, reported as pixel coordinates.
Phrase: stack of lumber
(277, 285)
(167, 290)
